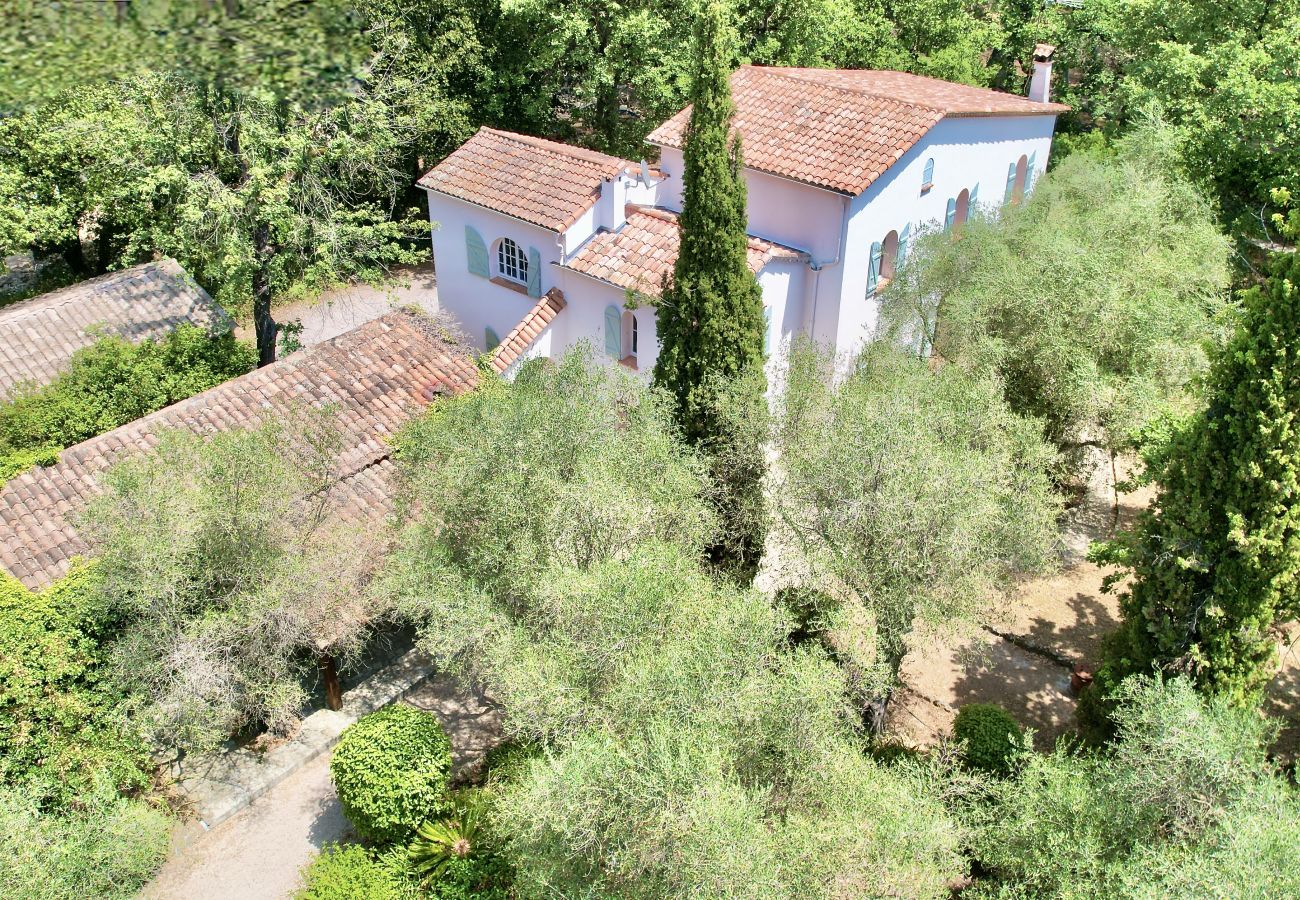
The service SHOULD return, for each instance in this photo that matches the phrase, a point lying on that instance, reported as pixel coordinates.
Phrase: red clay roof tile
(539, 181)
(841, 129)
(639, 255)
(374, 377)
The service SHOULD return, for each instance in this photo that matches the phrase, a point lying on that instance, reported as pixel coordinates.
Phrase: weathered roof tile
(39, 336)
(842, 128)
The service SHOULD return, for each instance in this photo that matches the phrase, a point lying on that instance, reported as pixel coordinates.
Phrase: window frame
(508, 252)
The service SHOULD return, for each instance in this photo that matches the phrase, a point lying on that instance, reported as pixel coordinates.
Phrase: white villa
(540, 244)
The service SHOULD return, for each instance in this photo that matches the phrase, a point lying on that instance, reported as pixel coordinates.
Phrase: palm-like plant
(437, 845)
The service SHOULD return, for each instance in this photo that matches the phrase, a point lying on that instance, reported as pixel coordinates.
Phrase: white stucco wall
(966, 152)
(476, 302)
(583, 319)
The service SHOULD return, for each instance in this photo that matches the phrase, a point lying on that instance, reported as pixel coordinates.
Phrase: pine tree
(1216, 560)
(710, 317)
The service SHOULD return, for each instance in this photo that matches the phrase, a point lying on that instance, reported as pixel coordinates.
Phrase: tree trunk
(875, 714)
(264, 327)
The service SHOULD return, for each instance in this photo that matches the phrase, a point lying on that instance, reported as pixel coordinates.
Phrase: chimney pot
(1040, 85)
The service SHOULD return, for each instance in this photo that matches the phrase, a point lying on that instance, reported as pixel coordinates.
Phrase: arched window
(888, 258)
(490, 340)
(873, 273)
(630, 338)
(927, 177)
(950, 216)
(961, 210)
(1018, 188)
(511, 261)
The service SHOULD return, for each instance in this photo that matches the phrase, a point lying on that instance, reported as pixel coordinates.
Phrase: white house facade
(540, 245)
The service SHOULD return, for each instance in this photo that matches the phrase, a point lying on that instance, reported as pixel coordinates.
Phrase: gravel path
(257, 853)
(342, 309)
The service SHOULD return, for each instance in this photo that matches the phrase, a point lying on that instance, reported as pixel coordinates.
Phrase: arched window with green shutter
(951, 215)
(1029, 172)
(534, 273)
(927, 177)
(904, 238)
(476, 252)
(1011, 184)
(490, 339)
(614, 331)
(873, 273)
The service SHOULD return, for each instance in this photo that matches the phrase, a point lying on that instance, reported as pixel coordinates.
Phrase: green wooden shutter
(973, 203)
(476, 252)
(951, 215)
(614, 332)
(1029, 171)
(534, 273)
(767, 330)
(904, 237)
(873, 273)
(1011, 184)
(928, 178)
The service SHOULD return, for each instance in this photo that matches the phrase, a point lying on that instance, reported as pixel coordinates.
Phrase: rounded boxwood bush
(390, 770)
(992, 737)
(349, 872)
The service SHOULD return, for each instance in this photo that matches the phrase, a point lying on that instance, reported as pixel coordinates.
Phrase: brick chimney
(1040, 86)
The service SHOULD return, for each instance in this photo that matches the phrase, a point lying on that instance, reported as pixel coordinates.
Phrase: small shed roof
(374, 378)
(39, 336)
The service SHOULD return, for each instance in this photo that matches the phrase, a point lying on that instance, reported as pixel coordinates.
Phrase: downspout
(818, 266)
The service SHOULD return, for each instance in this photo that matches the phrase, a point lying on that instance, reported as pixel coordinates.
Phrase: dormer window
(927, 177)
(511, 261)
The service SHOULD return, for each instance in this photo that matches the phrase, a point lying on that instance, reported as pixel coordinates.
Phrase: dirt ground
(1055, 622)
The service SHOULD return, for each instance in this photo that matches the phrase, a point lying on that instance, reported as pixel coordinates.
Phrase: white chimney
(1040, 86)
(610, 213)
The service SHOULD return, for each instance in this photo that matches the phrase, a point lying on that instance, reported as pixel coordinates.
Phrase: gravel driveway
(342, 309)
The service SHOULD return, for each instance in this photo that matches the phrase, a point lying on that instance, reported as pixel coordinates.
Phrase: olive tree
(903, 496)
(1091, 300)
(220, 569)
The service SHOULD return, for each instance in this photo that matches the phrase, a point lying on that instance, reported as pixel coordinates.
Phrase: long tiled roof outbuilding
(373, 379)
(39, 336)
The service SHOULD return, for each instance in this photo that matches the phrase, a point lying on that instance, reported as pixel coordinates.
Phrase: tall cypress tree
(1216, 560)
(710, 317)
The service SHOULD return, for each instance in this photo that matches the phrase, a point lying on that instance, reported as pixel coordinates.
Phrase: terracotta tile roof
(640, 254)
(529, 327)
(843, 128)
(39, 336)
(543, 182)
(375, 377)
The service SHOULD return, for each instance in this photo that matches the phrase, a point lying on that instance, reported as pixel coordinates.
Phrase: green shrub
(1183, 804)
(390, 770)
(107, 851)
(350, 872)
(63, 737)
(113, 382)
(992, 737)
